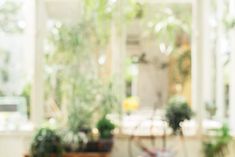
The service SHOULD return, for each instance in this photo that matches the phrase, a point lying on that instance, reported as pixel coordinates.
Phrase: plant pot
(105, 145)
(92, 146)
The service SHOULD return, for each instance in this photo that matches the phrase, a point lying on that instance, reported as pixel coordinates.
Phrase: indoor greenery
(72, 77)
(74, 46)
(84, 104)
(105, 127)
(9, 24)
(167, 22)
(108, 102)
(9, 19)
(45, 143)
(4, 69)
(74, 54)
(177, 111)
(26, 94)
(73, 142)
(77, 44)
(217, 146)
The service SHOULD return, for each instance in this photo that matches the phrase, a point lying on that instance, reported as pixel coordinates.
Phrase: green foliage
(167, 22)
(27, 94)
(74, 141)
(71, 63)
(99, 14)
(103, 13)
(228, 19)
(217, 146)
(91, 99)
(71, 69)
(4, 69)
(70, 42)
(109, 100)
(9, 21)
(178, 110)
(45, 143)
(134, 10)
(4, 74)
(84, 103)
(105, 127)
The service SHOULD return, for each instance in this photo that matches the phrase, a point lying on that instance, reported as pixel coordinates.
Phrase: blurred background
(141, 75)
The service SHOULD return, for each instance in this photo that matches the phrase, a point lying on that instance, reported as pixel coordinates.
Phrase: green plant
(74, 141)
(178, 111)
(109, 100)
(105, 127)
(83, 103)
(73, 56)
(4, 68)
(79, 117)
(217, 146)
(167, 22)
(9, 17)
(46, 143)
(26, 92)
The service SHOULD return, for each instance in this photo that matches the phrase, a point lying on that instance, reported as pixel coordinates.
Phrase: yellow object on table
(130, 104)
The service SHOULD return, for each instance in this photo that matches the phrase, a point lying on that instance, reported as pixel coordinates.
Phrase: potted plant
(81, 114)
(46, 143)
(178, 111)
(103, 142)
(74, 141)
(217, 146)
(105, 127)
(76, 137)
